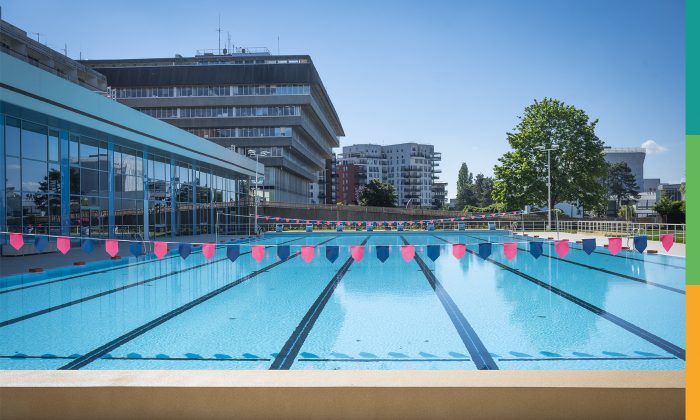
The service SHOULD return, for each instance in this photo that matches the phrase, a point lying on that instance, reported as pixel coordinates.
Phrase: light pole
(257, 155)
(549, 182)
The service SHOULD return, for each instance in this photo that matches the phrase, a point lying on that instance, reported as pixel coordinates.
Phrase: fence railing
(626, 229)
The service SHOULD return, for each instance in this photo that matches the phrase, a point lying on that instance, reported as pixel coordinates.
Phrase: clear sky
(455, 74)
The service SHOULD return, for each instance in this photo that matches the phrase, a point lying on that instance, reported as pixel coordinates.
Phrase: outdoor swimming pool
(595, 311)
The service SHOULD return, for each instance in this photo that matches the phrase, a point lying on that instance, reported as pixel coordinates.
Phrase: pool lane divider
(285, 358)
(120, 266)
(108, 292)
(478, 352)
(602, 270)
(125, 338)
(626, 257)
(634, 329)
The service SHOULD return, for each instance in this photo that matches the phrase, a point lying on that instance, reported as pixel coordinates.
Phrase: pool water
(595, 311)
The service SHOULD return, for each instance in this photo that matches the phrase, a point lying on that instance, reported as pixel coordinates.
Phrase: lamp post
(257, 155)
(549, 182)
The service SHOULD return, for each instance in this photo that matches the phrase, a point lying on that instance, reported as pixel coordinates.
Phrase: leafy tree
(627, 212)
(577, 166)
(483, 188)
(465, 187)
(621, 183)
(378, 194)
(671, 211)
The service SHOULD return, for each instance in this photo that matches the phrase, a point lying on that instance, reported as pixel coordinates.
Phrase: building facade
(348, 183)
(412, 169)
(248, 100)
(77, 163)
(632, 156)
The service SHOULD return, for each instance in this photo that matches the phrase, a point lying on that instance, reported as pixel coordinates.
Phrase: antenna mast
(219, 31)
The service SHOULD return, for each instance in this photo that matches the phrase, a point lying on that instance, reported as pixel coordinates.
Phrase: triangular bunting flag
(332, 252)
(184, 250)
(433, 252)
(232, 252)
(382, 252)
(208, 250)
(88, 246)
(258, 252)
(63, 244)
(536, 249)
(666, 241)
(160, 249)
(588, 246)
(561, 247)
(16, 240)
(459, 250)
(640, 243)
(408, 252)
(112, 247)
(614, 245)
(283, 252)
(485, 250)
(510, 250)
(136, 248)
(307, 253)
(357, 252)
(41, 242)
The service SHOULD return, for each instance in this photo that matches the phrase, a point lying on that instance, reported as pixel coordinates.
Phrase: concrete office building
(244, 100)
(411, 168)
(632, 156)
(75, 162)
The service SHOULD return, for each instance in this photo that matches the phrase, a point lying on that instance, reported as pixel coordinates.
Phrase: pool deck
(342, 394)
(678, 249)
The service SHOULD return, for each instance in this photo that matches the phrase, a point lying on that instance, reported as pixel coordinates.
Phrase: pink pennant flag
(16, 240)
(614, 245)
(510, 250)
(458, 250)
(357, 252)
(408, 252)
(267, 217)
(258, 252)
(160, 249)
(208, 250)
(307, 253)
(562, 247)
(63, 244)
(112, 247)
(667, 241)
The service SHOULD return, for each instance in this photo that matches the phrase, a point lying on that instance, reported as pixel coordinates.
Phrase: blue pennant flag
(332, 252)
(88, 245)
(382, 252)
(433, 252)
(40, 243)
(136, 248)
(589, 246)
(233, 251)
(640, 243)
(536, 249)
(184, 250)
(283, 252)
(485, 250)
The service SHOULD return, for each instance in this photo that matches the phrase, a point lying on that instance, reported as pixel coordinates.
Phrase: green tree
(465, 187)
(577, 165)
(621, 183)
(378, 194)
(627, 212)
(483, 189)
(671, 211)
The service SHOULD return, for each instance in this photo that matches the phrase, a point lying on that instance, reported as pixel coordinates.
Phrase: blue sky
(454, 73)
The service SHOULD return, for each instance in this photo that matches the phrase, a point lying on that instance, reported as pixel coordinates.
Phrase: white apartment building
(412, 169)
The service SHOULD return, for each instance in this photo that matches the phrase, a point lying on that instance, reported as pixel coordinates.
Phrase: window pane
(54, 181)
(33, 141)
(12, 137)
(13, 174)
(53, 146)
(33, 176)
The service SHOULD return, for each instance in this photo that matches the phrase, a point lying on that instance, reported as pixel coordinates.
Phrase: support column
(3, 196)
(110, 189)
(65, 181)
(194, 201)
(146, 235)
(173, 199)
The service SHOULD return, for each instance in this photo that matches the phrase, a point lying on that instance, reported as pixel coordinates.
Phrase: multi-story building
(246, 100)
(411, 168)
(75, 162)
(439, 194)
(331, 179)
(349, 181)
(632, 156)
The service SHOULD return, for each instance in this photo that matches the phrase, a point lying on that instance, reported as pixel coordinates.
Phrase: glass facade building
(74, 162)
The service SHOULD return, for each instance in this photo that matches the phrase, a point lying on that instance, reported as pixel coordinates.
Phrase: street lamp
(257, 155)
(549, 182)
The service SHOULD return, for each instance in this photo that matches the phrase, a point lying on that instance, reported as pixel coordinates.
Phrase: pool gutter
(342, 394)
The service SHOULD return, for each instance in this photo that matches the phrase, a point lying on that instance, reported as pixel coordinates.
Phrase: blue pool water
(584, 311)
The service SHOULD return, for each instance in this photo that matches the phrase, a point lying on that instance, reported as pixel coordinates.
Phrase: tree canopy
(621, 183)
(577, 166)
(378, 194)
(465, 183)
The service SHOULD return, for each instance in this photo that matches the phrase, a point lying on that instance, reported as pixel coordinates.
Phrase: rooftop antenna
(38, 36)
(219, 31)
(228, 44)
(278, 45)
(65, 50)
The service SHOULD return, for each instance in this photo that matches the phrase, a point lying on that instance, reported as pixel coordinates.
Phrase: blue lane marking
(634, 329)
(290, 350)
(108, 292)
(482, 358)
(385, 360)
(603, 270)
(120, 341)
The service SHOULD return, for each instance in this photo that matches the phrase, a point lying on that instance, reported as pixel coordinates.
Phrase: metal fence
(621, 228)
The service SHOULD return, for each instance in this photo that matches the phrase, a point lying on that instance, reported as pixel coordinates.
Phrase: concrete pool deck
(342, 394)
